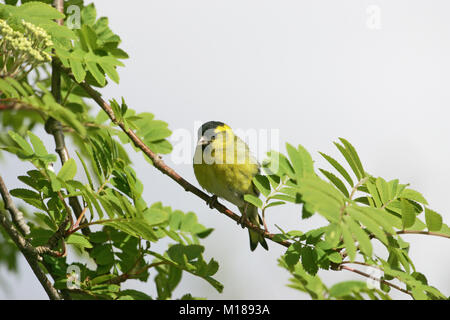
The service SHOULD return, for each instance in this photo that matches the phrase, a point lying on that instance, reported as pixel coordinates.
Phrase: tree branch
(30, 253)
(16, 214)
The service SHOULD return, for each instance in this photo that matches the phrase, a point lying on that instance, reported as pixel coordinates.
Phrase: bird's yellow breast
(227, 177)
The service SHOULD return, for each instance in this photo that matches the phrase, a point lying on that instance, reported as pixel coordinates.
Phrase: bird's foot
(242, 221)
(212, 201)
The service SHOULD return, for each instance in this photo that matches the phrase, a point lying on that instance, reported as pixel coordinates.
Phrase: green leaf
(413, 195)
(335, 257)
(347, 155)
(371, 225)
(309, 260)
(346, 288)
(408, 213)
(339, 168)
(77, 69)
(322, 197)
(279, 165)
(374, 193)
(68, 170)
(336, 181)
(155, 216)
(262, 184)
(39, 9)
(363, 239)
(78, 240)
(349, 243)
(383, 190)
(157, 134)
(25, 194)
(96, 73)
(433, 220)
(253, 200)
(38, 145)
(22, 143)
(292, 255)
(333, 234)
(274, 203)
(354, 156)
(296, 161)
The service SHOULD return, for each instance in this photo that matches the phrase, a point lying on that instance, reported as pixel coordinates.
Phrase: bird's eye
(213, 137)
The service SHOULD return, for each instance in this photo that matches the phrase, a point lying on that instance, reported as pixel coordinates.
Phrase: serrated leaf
(309, 260)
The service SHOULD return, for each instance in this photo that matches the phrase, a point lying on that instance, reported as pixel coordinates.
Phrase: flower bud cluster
(25, 48)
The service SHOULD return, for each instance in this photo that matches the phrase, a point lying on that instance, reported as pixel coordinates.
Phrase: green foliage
(382, 212)
(123, 237)
(95, 53)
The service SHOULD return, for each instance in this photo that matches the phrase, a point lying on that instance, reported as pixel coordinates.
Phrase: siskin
(224, 167)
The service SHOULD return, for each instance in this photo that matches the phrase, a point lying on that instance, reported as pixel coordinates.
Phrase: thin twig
(16, 214)
(355, 188)
(375, 278)
(125, 276)
(431, 233)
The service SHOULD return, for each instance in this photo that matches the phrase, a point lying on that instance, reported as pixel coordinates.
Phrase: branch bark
(30, 253)
(16, 214)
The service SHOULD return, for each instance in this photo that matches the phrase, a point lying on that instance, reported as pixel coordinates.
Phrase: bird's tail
(255, 237)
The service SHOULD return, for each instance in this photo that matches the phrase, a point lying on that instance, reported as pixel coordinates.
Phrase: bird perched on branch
(224, 167)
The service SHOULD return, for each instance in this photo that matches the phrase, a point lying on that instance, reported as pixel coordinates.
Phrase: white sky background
(313, 70)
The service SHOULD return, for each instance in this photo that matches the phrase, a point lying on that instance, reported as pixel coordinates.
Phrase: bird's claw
(212, 201)
(242, 221)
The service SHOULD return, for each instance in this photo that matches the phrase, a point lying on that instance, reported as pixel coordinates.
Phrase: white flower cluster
(27, 48)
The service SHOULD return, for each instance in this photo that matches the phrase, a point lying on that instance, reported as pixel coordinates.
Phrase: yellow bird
(225, 168)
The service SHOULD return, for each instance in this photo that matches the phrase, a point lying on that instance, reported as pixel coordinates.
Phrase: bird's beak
(203, 141)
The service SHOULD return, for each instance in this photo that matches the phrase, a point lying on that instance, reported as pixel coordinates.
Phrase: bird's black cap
(210, 125)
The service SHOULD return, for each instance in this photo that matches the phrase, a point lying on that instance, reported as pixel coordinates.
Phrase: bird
(224, 167)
